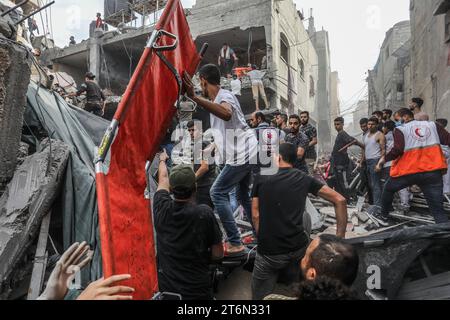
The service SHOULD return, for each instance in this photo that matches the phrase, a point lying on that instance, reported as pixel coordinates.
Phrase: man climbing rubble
(237, 147)
(418, 160)
(95, 98)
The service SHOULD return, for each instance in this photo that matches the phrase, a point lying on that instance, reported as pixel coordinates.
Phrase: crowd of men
(267, 169)
(397, 153)
(400, 150)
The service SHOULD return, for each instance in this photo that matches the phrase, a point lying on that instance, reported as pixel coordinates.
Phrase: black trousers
(203, 196)
(342, 182)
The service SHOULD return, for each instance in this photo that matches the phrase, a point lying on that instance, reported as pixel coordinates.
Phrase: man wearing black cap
(95, 98)
(188, 236)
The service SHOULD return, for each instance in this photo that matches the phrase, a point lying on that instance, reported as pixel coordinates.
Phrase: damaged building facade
(430, 55)
(258, 29)
(321, 43)
(389, 80)
(414, 61)
(273, 38)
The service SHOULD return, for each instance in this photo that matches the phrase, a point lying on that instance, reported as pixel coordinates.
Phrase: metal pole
(37, 11)
(14, 8)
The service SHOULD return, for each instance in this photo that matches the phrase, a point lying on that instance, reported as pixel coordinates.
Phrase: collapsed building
(48, 200)
(273, 38)
(389, 80)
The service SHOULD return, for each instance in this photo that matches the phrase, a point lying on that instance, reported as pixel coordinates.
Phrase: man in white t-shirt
(256, 76)
(236, 144)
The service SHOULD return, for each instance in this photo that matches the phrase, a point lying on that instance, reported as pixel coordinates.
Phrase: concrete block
(28, 197)
(14, 79)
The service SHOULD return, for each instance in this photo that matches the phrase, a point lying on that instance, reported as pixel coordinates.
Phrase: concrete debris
(14, 79)
(7, 28)
(29, 196)
(363, 217)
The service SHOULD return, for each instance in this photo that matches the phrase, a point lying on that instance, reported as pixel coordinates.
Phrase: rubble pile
(27, 199)
(361, 223)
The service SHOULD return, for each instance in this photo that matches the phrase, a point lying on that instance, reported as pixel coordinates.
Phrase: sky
(356, 30)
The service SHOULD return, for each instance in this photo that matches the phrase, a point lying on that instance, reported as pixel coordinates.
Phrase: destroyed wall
(212, 16)
(430, 58)
(322, 46)
(27, 199)
(301, 62)
(14, 78)
(280, 20)
(216, 22)
(389, 75)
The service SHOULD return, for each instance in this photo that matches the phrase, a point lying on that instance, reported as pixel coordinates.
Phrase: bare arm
(340, 207)
(223, 111)
(204, 168)
(313, 142)
(360, 144)
(382, 142)
(163, 174)
(255, 214)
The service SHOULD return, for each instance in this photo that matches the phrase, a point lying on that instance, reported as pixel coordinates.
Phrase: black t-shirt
(341, 158)
(93, 92)
(185, 233)
(282, 201)
(300, 140)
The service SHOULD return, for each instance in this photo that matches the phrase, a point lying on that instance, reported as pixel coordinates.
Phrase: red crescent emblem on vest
(417, 132)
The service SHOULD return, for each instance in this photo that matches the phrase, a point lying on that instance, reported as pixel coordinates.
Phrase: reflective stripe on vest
(423, 152)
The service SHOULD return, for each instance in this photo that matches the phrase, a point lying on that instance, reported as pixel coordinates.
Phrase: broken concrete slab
(14, 79)
(363, 217)
(7, 28)
(28, 197)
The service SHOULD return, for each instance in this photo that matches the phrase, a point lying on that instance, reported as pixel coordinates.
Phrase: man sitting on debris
(418, 160)
(72, 41)
(94, 95)
(237, 146)
(282, 238)
(188, 235)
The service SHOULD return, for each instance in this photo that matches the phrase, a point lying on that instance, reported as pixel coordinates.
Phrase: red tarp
(144, 115)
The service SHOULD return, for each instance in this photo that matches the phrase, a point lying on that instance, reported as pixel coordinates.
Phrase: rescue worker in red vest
(418, 159)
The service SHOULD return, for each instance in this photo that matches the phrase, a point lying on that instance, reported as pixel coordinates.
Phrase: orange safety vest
(423, 152)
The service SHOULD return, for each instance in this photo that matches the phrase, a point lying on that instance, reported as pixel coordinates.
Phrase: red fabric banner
(144, 114)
